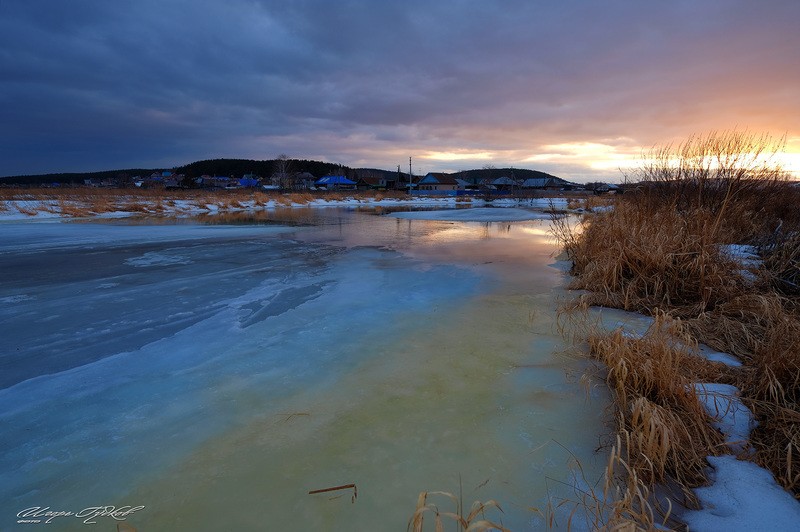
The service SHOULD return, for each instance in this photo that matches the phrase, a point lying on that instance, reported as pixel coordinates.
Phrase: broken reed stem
(339, 488)
(335, 488)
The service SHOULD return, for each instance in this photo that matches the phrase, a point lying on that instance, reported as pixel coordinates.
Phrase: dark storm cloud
(97, 84)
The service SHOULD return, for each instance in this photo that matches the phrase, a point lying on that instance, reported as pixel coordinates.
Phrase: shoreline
(696, 425)
(76, 204)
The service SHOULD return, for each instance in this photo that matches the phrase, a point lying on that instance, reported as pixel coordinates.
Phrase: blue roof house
(330, 182)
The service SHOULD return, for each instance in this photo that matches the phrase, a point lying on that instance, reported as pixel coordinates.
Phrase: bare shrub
(723, 173)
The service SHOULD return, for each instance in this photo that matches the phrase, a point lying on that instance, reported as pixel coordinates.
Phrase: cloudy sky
(573, 87)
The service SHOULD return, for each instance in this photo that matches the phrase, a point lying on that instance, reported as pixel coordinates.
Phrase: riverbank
(42, 204)
(710, 251)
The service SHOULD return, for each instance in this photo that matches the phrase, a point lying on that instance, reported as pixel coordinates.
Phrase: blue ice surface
(123, 347)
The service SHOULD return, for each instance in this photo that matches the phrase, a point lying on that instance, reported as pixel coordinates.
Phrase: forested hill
(266, 168)
(494, 173)
(240, 167)
(212, 167)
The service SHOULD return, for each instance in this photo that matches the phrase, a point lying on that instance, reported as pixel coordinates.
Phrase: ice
(152, 258)
(731, 416)
(632, 324)
(194, 368)
(475, 214)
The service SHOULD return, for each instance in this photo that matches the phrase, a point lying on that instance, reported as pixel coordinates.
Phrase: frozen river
(215, 371)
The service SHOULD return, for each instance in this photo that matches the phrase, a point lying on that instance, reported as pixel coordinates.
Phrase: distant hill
(240, 167)
(494, 173)
(213, 167)
(75, 178)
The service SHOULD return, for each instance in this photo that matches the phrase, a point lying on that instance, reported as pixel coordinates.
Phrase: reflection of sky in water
(216, 374)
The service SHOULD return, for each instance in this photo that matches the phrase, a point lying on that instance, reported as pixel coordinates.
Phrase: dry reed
(474, 521)
(658, 251)
(669, 434)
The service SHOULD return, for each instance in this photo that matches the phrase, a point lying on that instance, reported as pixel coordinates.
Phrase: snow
(742, 496)
(731, 416)
(746, 256)
(28, 210)
(718, 356)
(635, 325)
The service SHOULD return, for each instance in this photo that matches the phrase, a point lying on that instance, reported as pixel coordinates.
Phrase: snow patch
(742, 496)
(746, 256)
(718, 356)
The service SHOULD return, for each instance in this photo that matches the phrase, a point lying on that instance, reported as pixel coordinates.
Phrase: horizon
(576, 90)
(294, 159)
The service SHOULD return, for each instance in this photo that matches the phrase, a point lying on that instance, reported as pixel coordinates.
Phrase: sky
(576, 88)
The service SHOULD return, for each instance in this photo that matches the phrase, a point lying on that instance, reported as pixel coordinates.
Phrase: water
(214, 373)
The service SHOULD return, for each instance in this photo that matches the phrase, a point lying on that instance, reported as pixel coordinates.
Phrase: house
(304, 181)
(217, 182)
(249, 181)
(550, 183)
(331, 182)
(504, 183)
(437, 181)
(463, 184)
(371, 183)
(537, 182)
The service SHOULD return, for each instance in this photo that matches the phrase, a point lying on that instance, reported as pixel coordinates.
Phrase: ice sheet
(185, 368)
(475, 214)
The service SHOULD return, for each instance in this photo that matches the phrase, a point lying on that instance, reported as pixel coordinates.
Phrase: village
(431, 184)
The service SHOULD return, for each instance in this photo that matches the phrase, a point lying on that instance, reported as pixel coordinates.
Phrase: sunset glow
(580, 91)
(457, 156)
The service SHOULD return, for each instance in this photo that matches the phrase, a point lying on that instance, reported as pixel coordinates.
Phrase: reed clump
(667, 431)
(474, 521)
(661, 251)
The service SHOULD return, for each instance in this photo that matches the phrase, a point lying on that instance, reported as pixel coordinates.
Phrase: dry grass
(588, 203)
(658, 252)
(89, 201)
(71, 208)
(636, 260)
(474, 521)
(668, 431)
(28, 210)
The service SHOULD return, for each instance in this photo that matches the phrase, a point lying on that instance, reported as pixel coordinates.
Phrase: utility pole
(410, 178)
